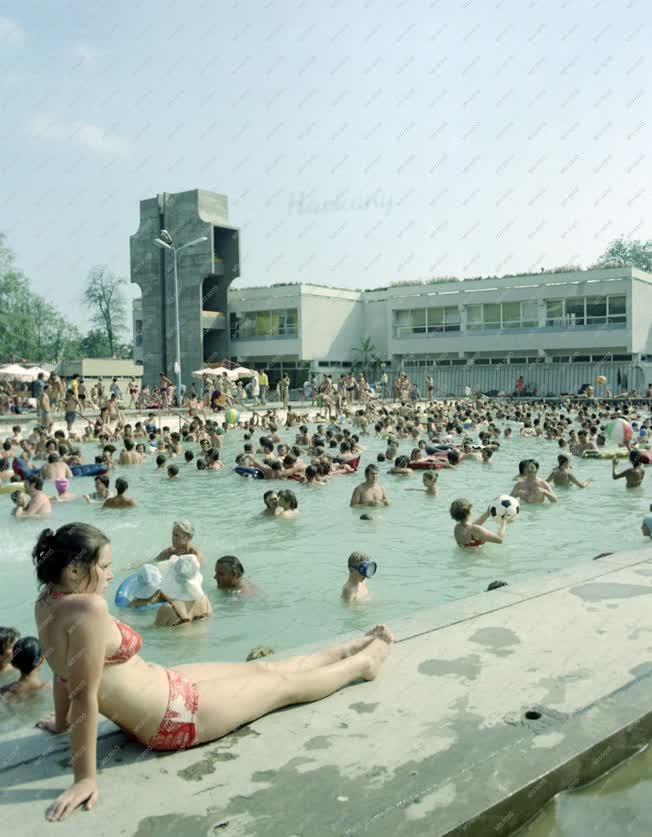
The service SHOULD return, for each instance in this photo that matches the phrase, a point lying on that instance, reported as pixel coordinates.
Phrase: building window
(586, 311)
(501, 315)
(276, 323)
(443, 319)
(411, 321)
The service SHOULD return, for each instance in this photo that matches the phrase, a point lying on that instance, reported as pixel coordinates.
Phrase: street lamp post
(165, 243)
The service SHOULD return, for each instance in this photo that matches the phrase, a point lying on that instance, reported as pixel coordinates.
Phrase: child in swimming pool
(360, 569)
(561, 475)
(430, 488)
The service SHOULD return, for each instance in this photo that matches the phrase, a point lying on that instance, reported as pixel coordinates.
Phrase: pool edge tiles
(439, 744)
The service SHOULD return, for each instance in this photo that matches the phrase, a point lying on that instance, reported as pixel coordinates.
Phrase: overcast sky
(358, 142)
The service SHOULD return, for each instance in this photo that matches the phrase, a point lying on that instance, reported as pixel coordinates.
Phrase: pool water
(299, 566)
(614, 805)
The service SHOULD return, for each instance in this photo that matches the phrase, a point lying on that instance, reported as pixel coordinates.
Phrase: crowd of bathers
(312, 449)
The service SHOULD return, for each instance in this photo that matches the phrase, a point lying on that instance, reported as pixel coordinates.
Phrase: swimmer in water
(360, 569)
(102, 490)
(530, 488)
(429, 480)
(646, 526)
(288, 504)
(473, 533)
(8, 637)
(229, 574)
(120, 501)
(370, 492)
(401, 467)
(270, 498)
(27, 658)
(63, 495)
(633, 476)
(562, 476)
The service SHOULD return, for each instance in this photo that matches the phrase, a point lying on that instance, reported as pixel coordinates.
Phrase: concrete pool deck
(440, 744)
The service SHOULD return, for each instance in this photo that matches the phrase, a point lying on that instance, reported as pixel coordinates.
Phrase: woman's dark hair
(289, 497)
(26, 655)
(7, 637)
(103, 479)
(36, 482)
(74, 543)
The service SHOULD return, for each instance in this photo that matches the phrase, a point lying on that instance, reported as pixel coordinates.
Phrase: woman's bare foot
(355, 646)
(382, 632)
(374, 656)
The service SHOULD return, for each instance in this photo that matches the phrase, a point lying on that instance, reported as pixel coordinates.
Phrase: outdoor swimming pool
(299, 566)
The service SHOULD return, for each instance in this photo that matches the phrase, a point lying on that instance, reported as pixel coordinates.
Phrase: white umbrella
(243, 372)
(215, 372)
(35, 371)
(13, 370)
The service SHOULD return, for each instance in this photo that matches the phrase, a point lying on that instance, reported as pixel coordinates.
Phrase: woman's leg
(226, 704)
(291, 665)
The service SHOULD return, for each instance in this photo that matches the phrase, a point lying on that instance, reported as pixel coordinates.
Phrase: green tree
(622, 253)
(30, 327)
(368, 358)
(104, 294)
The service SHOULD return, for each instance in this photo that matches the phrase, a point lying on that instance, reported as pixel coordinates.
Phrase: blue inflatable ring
(245, 471)
(124, 595)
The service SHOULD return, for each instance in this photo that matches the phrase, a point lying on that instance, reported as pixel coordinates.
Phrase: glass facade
(586, 311)
(280, 322)
(500, 315)
(411, 321)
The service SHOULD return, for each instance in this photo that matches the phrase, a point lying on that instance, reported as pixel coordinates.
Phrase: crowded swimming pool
(299, 565)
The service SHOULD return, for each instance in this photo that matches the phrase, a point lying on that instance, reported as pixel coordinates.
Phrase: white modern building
(558, 330)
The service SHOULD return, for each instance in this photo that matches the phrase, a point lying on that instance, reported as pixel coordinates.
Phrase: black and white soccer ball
(505, 506)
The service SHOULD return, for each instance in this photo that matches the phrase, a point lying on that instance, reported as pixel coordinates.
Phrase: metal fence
(542, 379)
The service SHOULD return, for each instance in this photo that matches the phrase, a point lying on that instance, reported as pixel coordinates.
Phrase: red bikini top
(129, 646)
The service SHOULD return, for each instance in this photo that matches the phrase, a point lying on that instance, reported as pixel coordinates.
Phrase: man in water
(128, 455)
(38, 504)
(531, 488)
(229, 574)
(120, 501)
(370, 492)
(583, 444)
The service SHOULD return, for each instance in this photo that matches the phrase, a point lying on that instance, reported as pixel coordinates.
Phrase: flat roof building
(558, 330)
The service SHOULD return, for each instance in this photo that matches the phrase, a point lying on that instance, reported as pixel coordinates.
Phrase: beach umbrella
(214, 372)
(34, 371)
(13, 370)
(243, 372)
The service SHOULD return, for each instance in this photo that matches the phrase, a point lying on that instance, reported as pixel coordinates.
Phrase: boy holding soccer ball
(473, 533)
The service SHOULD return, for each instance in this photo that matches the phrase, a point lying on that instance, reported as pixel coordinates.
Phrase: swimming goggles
(367, 569)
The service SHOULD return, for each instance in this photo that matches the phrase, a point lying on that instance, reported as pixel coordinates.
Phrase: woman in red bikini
(473, 533)
(98, 670)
